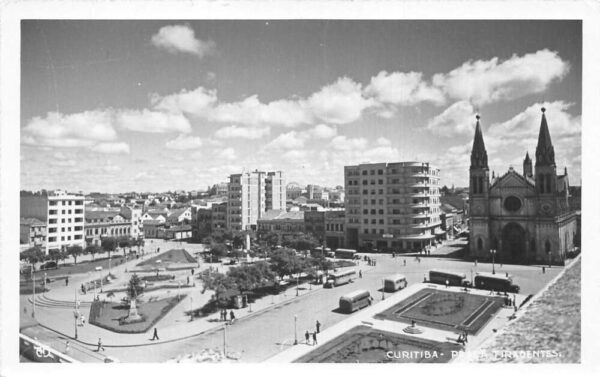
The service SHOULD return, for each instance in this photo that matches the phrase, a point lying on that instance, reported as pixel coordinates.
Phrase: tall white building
(251, 194)
(63, 214)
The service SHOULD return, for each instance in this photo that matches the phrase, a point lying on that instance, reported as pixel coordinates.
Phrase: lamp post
(382, 289)
(225, 339)
(33, 292)
(295, 329)
(297, 279)
(75, 313)
(493, 252)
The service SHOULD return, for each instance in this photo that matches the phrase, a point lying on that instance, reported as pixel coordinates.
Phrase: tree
(93, 250)
(56, 255)
(74, 251)
(218, 251)
(135, 288)
(271, 238)
(33, 255)
(109, 244)
(321, 263)
(303, 242)
(123, 243)
(286, 262)
(219, 283)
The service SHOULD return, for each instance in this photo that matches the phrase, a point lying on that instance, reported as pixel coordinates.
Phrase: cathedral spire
(544, 153)
(478, 153)
(527, 168)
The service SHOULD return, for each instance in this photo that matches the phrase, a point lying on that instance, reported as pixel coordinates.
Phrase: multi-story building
(33, 232)
(334, 229)
(520, 218)
(251, 194)
(222, 189)
(293, 190)
(314, 223)
(100, 224)
(134, 215)
(392, 206)
(281, 223)
(63, 214)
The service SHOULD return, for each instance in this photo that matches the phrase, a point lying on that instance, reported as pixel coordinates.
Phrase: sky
(145, 105)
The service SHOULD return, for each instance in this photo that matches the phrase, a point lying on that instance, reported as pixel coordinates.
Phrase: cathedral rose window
(512, 203)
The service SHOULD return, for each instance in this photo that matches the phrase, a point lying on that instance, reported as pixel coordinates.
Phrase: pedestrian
(315, 339)
(404, 262)
(192, 272)
(67, 281)
(543, 269)
(507, 274)
(67, 349)
(188, 280)
(100, 347)
(231, 316)
(307, 337)
(360, 274)
(318, 325)
(155, 336)
(475, 262)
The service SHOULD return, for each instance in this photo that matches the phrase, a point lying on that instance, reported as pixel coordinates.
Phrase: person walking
(404, 262)
(307, 337)
(318, 326)
(315, 338)
(100, 347)
(360, 274)
(543, 269)
(67, 348)
(67, 281)
(231, 316)
(155, 336)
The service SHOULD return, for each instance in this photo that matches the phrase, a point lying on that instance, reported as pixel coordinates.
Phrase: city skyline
(118, 106)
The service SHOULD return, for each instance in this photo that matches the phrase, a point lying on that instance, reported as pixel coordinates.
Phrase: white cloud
(144, 175)
(72, 130)
(289, 140)
(184, 142)
(343, 143)
(177, 172)
(152, 121)
(322, 131)
(111, 168)
(251, 111)
(250, 133)
(198, 102)
(339, 103)
(458, 118)
(399, 88)
(181, 38)
(227, 154)
(111, 148)
(64, 163)
(487, 81)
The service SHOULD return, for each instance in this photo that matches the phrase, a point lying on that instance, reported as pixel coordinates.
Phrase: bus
(355, 301)
(340, 277)
(453, 278)
(394, 283)
(319, 252)
(345, 253)
(499, 283)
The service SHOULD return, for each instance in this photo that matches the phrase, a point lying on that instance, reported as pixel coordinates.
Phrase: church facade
(520, 217)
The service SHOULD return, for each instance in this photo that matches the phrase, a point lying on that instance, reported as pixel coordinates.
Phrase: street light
(295, 329)
(382, 289)
(33, 292)
(225, 339)
(297, 279)
(493, 252)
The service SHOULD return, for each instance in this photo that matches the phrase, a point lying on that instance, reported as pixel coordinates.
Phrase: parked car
(50, 265)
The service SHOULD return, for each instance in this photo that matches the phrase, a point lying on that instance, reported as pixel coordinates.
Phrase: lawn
(169, 257)
(445, 310)
(107, 314)
(363, 344)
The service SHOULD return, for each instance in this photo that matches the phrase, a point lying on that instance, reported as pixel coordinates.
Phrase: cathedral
(520, 217)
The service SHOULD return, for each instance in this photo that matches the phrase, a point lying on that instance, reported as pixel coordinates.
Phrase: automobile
(50, 265)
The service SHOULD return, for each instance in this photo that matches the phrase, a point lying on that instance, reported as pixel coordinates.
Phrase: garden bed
(108, 314)
(167, 258)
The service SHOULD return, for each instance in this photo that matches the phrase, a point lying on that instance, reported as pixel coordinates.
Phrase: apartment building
(101, 224)
(251, 194)
(33, 232)
(63, 214)
(392, 206)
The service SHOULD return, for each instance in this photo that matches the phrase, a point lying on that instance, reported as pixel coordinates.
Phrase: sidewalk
(176, 325)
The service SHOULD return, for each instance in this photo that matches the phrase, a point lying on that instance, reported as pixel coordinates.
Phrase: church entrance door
(513, 242)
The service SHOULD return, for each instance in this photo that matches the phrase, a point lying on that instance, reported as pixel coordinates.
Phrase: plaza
(252, 338)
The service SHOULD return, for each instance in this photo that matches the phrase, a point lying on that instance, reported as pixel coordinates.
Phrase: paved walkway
(55, 309)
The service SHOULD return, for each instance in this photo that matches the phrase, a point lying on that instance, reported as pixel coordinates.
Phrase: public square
(261, 330)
